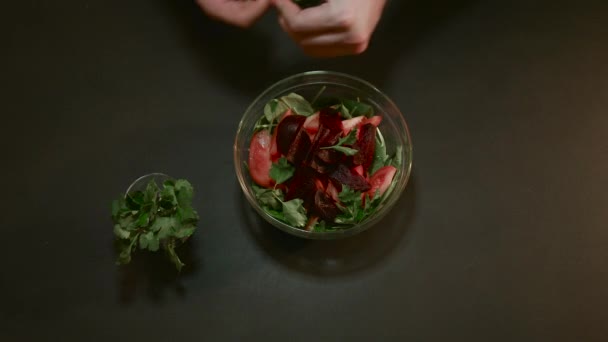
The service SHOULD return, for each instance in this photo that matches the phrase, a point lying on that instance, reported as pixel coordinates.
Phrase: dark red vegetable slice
(366, 146)
(287, 130)
(325, 207)
(350, 178)
(302, 185)
(299, 149)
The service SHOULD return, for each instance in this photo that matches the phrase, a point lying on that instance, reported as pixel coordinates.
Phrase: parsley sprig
(155, 219)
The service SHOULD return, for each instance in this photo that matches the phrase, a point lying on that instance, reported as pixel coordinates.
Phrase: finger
(286, 8)
(306, 21)
(239, 13)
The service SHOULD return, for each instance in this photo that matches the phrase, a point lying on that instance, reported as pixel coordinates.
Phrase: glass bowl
(142, 182)
(393, 127)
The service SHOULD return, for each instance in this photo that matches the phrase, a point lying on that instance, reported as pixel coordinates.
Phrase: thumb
(286, 8)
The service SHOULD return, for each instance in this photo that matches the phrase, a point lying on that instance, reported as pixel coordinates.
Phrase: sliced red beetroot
(287, 130)
(331, 119)
(381, 180)
(299, 149)
(320, 166)
(302, 185)
(325, 207)
(366, 145)
(348, 125)
(350, 178)
(330, 129)
(330, 156)
(259, 158)
(274, 151)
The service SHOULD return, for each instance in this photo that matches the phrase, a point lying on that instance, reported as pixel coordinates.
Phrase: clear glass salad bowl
(317, 86)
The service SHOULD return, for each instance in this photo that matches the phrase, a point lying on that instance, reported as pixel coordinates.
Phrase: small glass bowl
(140, 183)
(336, 85)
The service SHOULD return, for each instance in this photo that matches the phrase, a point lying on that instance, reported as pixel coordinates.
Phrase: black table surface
(501, 235)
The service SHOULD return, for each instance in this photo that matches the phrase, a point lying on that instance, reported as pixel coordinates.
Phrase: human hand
(334, 28)
(241, 13)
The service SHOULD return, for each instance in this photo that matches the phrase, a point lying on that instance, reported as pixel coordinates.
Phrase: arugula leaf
(274, 109)
(357, 108)
(314, 99)
(345, 112)
(398, 159)
(154, 218)
(294, 212)
(298, 104)
(282, 170)
(380, 156)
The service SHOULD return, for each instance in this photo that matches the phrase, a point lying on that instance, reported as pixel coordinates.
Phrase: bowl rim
(390, 201)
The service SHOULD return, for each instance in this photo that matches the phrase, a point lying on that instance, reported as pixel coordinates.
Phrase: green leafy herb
(314, 99)
(274, 109)
(344, 111)
(294, 212)
(298, 104)
(357, 108)
(350, 139)
(269, 198)
(155, 219)
(380, 156)
(398, 159)
(354, 206)
(281, 171)
(291, 212)
(346, 150)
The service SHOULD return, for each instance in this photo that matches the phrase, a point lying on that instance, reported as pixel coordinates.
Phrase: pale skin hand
(335, 28)
(241, 13)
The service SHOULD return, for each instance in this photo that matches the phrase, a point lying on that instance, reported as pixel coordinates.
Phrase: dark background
(501, 235)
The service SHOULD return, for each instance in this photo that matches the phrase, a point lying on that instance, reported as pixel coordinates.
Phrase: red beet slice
(287, 130)
(330, 129)
(325, 207)
(330, 119)
(366, 146)
(299, 149)
(330, 156)
(302, 185)
(381, 180)
(259, 158)
(350, 178)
